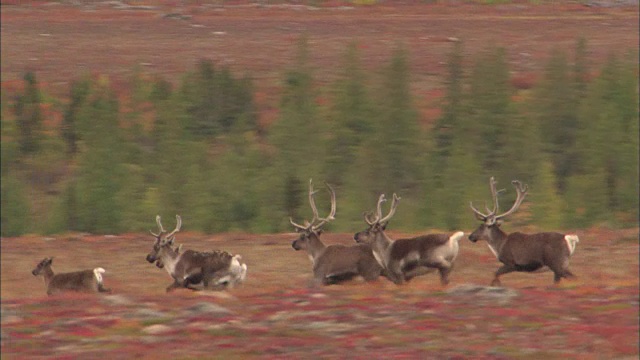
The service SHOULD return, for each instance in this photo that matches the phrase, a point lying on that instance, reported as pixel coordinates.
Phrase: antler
(494, 194)
(392, 211)
(178, 226)
(162, 230)
(521, 190)
(307, 225)
(159, 227)
(491, 215)
(317, 222)
(332, 212)
(378, 217)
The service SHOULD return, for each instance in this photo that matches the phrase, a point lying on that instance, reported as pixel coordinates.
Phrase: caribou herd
(374, 253)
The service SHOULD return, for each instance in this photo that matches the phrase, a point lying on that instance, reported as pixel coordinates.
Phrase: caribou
(404, 259)
(518, 251)
(89, 281)
(333, 264)
(219, 269)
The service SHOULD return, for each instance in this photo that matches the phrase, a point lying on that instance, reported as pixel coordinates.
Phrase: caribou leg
(504, 269)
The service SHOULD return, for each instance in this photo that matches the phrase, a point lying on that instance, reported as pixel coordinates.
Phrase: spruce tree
(489, 108)
(29, 115)
(606, 148)
(79, 91)
(556, 112)
(350, 118)
(15, 214)
(448, 125)
(396, 140)
(101, 173)
(298, 139)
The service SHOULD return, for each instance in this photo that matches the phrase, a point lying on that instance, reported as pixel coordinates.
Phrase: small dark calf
(89, 281)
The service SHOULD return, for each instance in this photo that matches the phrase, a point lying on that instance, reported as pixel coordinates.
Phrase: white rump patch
(238, 270)
(97, 272)
(572, 242)
(243, 273)
(457, 236)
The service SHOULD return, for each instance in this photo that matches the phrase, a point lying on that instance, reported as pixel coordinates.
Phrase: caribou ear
(319, 231)
(384, 226)
(498, 222)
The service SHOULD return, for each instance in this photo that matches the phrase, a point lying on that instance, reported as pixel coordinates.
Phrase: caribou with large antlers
(218, 268)
(518, 251)
(403, 259)
(334, 263)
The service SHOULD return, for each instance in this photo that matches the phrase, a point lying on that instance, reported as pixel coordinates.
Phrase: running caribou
(334, 263)
(403, 259)
(218, 268)
(518, 251)
(81, 281)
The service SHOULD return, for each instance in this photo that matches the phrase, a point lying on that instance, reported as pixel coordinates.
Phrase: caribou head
(377, 224)
(311, 230)
(163, 241)
(491, 221)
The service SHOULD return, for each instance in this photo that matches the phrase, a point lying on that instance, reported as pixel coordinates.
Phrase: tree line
(118, 158)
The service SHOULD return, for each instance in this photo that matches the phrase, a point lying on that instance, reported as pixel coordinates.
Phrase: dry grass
(275, 313)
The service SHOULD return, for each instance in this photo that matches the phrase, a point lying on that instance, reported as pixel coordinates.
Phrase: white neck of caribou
(169, 259)
(381, 247)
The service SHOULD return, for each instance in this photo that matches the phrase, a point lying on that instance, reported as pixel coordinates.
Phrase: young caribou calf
(523, 252)
(218, 268)
(403, 259)
(89, 281)
(333, 264)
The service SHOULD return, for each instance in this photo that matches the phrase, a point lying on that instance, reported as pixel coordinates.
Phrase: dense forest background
(196, 147)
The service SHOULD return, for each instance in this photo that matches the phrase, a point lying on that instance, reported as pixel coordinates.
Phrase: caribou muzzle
(361, 237)
(296, 245)
(151, 258)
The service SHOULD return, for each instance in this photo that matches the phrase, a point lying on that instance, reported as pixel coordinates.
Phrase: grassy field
(276, 313)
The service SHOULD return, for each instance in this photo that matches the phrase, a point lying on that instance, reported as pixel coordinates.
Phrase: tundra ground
(276, 313)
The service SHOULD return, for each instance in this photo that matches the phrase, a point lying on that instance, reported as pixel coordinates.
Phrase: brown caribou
(403, 259)
(523, 252)
(333, 264)
(80, 281)
(218, 268)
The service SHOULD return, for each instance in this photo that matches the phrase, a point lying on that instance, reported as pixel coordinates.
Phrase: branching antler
(317, 222)
(378, 219)
(159, 227)
(178, 226)
(491, 216)
(163, 231)
(392, 211)
(521, 190)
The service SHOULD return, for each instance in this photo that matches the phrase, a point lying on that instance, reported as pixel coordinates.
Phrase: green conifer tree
(101, 173)
(350, 118)
(15, 214)
(298, 140)
(29, 115)
(80, 89)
